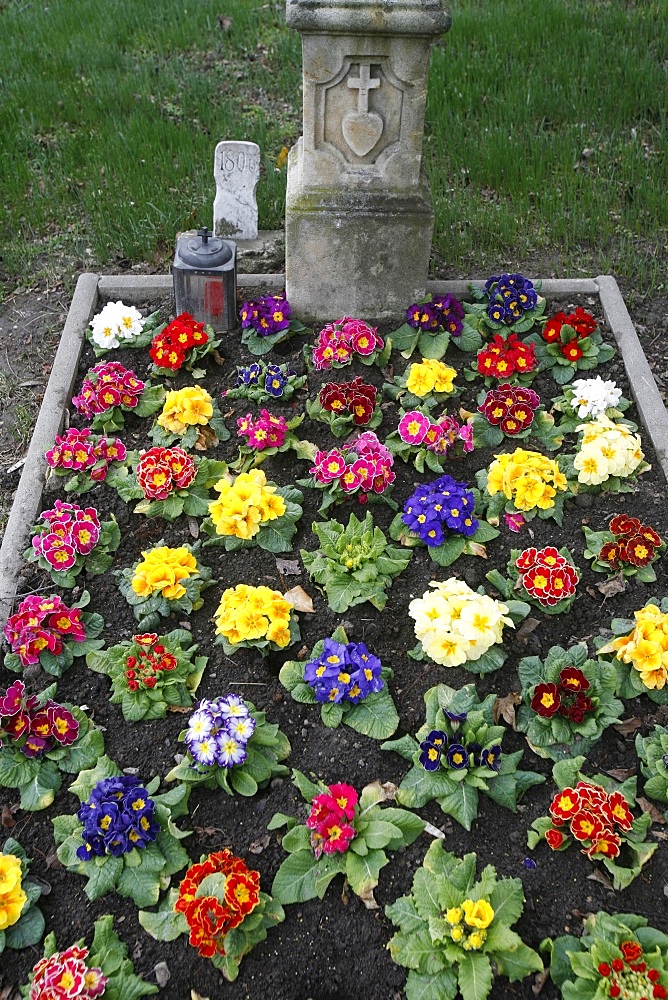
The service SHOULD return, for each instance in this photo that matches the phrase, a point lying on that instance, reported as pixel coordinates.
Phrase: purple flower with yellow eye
(432, 748)
(491, 758)
(455, 718)
(457, 757)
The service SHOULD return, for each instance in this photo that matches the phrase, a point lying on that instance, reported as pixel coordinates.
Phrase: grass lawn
(546, 130)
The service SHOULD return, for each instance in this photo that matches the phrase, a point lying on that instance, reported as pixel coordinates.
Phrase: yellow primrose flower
(457, 933)
(248, 613)
(455, 624)
(455, 915)
(606, 449)
(245, 504)
(12, 896)
(184, 408)
(527, 478)
(477, 939)
(479, 914)
(646, 647)
(161, 569)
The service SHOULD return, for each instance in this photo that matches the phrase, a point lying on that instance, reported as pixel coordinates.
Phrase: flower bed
(298, 958)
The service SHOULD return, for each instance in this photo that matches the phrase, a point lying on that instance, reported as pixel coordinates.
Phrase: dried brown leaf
(382, 792)
(476, 549)
(598, 876)
(504, 708)
(288, 567)
(528, 626)
(615, 585)
(300, 600)
(651, 809)
(660, 834)
(205, 439)
(7, 818)
(369, 900)
(180, 709)
(258, 846)
(215, 353)
(207, 831)
(193, 527)
(621, 773)
(628, 726)
(539, 981)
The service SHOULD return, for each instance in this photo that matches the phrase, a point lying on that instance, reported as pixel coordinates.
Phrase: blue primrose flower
(455, 718)
(344, 673)
(118, 816)
(432, 748)
(496, 312)
(491, 758)
(457, 757)
(274, 384)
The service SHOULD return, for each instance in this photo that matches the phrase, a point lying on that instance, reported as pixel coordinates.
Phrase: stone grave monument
(236, 172)
(359, 215)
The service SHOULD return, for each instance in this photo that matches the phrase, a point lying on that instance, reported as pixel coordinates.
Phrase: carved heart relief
(362, 130)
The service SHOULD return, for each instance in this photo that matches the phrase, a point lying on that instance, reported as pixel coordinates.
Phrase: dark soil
(335, 947)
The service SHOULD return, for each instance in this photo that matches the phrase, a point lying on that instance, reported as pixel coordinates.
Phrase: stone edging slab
(91, 288)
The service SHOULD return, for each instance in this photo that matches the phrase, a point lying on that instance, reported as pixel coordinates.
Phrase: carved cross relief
(362, 128)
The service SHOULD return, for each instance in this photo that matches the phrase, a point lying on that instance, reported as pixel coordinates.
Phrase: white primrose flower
(115, 323)
(593, 396)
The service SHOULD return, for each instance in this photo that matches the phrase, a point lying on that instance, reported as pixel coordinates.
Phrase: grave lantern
(205, 279)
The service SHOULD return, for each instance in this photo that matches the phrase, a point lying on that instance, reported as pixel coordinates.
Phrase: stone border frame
(92, 287)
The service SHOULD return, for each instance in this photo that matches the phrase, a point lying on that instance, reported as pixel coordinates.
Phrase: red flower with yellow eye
(546, 700)
(621, 524)
(565, 804)
(552, 328)
(608, 845)
(571, 350)
(573, 680)
(610, 553)
(620, 811)
(554, 838)
(639, 551)
(586, 825)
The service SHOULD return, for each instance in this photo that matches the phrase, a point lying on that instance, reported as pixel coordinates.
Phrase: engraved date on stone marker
(362, 128)
(236, 172)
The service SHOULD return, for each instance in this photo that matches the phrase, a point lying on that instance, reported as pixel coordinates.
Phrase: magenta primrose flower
(80, 450)
(41, 623)
(339, 341)
(327, 820)
(413, 427)
(107, 385)
(35, 730)
(266, 431)
(65, 532)
(363, 464)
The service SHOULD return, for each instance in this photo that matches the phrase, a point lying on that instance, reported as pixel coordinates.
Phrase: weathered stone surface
(359, 218)
(355, 253)
(236, 172)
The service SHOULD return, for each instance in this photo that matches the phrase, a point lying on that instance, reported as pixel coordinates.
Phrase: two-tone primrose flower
(510, 407)
(362, 466)
(65, 975)
(547, 575)
(260, 381)
(343, 339)
(43, 624)
(66, 536)
(628, 546)
(599, 816)
(106, 386)
(342, 405)
(85, 456)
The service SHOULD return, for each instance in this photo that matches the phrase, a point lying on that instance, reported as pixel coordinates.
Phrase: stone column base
(355, 253)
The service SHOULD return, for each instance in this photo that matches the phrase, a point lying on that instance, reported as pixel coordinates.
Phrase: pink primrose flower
(62, 558)
(329, 465)
(84, 535)
(350, 481)
(64, 727)
(413, 426)
(514, 522)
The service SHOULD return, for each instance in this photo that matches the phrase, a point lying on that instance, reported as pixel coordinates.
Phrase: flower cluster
(12, 895)
(65, 976)
(330, 820)
(568, 697)
(439, 748)
(81, 451)
(363, 464)
(184, 408)
(510, 407)
(510, 296)
(527, 478)
(634, 544)
(340, 341)
(265, 431)
(33, 728)
(355, 398)
(591, 397)
(245, 504)
(42, 623)
(444, 312)
(170, 347)
(146, 660)
(114, 324)
(117, 817)
(646, 647)
(344, 672)
(64, 533)
(267, 315)
(439, 436)
(250, 613)
(271, 378)
(107, 385)
(162, 470)
(606, 449)
(592, 815)
(504, 357)
(162, 569)
(547, 575)
(456, 625)
(210, 917)
(442, 504)
(581, 322)
(430, 376)
(219, 730)
(631, 977)
(469, 922)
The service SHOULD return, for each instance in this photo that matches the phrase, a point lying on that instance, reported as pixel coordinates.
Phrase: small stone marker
(236, 172)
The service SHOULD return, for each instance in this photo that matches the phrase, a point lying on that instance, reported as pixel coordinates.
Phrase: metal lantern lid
(204, 251)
